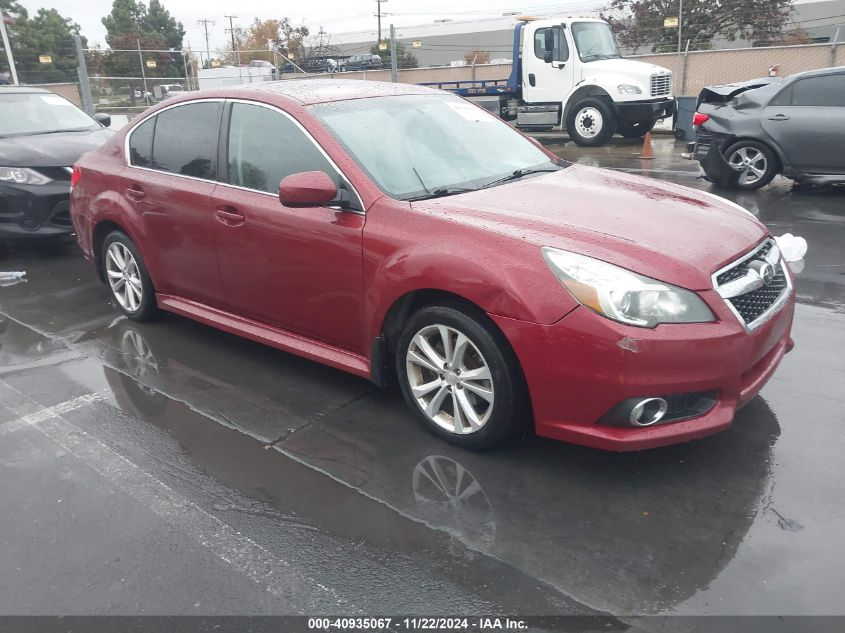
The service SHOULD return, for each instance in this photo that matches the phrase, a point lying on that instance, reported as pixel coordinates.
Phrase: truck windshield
(417, 146)
(594, 40)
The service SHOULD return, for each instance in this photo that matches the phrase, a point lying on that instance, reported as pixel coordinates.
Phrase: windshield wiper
(519, 173)
(441, 193)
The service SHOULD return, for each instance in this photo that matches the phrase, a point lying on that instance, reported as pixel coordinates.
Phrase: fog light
(648, 411)
(28, 224)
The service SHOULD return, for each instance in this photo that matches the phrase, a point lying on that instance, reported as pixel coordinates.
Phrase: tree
(279, 35)
(639, 23)
(130, 23)
(47, 34)
(476, 56)
(404, 57)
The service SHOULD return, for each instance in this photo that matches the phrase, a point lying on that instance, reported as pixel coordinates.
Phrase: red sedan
(407, 236)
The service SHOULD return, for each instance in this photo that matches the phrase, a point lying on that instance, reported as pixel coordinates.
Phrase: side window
(265, 146)
(141, 144)
(783, 98)
(820, 91)
(186, 139)
(560, 52)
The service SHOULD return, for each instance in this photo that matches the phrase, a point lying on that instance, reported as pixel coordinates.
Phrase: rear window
(141, 144)
(185, 139)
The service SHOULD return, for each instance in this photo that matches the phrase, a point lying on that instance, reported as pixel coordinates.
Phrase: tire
(133, 274)
(756, 161)
(492, 409)
(591, 122)
(635, 130)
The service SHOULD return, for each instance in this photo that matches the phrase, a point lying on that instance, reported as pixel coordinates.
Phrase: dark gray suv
(748, 132)
(361, 62)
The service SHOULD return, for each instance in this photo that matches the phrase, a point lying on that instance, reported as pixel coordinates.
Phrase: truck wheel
(590, 122)
(635, 130)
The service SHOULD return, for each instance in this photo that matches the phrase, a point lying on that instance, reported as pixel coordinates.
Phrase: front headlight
(622, 295)
(22, 176)
(629, 89)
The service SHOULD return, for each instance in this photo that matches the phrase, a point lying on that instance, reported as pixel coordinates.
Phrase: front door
(807, 120)
(299, 269)
(546, 82)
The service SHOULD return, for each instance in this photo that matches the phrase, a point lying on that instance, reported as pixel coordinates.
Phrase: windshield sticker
(471, 112)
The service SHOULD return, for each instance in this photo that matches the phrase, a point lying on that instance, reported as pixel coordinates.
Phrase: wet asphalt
(168, 468)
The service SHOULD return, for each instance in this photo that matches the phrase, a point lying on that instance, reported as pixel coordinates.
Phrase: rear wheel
(754, 162)
(591, 122)
(127, 277)
(459, 376)
(635, 130)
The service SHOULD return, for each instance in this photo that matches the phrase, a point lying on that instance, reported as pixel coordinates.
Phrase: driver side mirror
(102, 118)
(548, 57)
(307, 189)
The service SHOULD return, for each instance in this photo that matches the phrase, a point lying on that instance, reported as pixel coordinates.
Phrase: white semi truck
(568, 74)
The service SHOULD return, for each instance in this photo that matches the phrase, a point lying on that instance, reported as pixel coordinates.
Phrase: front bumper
(638, 111)
(581, 367)
(35, 211)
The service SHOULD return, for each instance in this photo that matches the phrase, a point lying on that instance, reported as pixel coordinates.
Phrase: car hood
(50, 150)
(665, 231)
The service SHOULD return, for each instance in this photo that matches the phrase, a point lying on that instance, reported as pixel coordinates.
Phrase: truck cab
(569, 73)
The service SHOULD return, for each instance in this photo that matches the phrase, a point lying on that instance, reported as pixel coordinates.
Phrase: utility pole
(205, 24)
(680, 23)
(8, 46)
(232, 33)
(379, 15)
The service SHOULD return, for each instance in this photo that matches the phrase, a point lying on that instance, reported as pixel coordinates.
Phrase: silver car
(746, 133)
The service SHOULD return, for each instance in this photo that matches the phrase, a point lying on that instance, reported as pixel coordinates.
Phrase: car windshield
(417, 146)
(22, 114)
(594, 40)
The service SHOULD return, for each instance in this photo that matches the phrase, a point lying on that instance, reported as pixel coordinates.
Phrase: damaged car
(748, 132)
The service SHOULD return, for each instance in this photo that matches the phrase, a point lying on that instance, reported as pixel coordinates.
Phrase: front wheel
(460, 377)
(591, 122)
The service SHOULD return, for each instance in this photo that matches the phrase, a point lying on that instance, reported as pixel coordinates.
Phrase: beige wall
(703, 67)
(68, 91)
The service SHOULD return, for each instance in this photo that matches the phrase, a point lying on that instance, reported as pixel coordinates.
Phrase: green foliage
(639, 23)
(404, 57)
(47, 33)
(130, 23)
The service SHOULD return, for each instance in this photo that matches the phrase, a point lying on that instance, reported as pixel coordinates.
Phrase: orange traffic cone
(647, 152)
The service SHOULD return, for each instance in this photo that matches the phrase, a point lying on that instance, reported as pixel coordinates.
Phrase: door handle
(229, 217)
(779, 117)
(532, 79)
(135, 192)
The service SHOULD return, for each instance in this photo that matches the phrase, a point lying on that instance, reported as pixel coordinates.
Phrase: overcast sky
(334, 15)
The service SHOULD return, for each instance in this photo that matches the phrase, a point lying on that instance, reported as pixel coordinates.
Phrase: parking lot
(169, 468)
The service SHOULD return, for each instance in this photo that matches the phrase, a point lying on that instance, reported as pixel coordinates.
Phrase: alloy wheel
(450, 380)
(751, 164)
(589, 122)
(124, 277)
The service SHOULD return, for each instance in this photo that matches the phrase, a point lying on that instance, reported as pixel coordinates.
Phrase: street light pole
(8, 47)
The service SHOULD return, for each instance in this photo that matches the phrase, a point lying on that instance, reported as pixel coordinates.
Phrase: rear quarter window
(141, 144)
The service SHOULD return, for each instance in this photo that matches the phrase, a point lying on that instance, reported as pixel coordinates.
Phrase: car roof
(818, 73)
(317, 90)
(23, 90)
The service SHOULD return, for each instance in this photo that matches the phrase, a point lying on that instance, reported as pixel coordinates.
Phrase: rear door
(807, 120)
(299, 269)
(169, 181)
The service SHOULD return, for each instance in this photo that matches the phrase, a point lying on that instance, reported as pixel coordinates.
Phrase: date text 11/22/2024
(417, 623)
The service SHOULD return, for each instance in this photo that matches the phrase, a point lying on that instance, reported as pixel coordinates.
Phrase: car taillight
(699, 118)
(75, 175)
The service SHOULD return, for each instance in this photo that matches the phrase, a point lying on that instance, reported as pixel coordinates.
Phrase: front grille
(752, 305)
(740, 269)
(661, 85)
